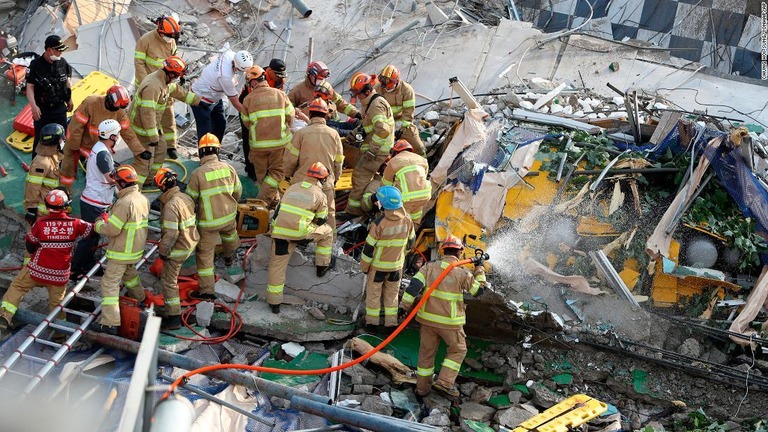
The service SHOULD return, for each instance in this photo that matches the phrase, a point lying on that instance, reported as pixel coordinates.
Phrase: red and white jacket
(52, 238)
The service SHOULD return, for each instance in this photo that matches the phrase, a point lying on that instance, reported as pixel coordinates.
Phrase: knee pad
(281, 247)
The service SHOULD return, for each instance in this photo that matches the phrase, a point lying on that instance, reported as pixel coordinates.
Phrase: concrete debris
(292, 349)
(476, 411)
(690, 347)
(512, 417)
(437, 418)
(376, 404)
(544, 397)
(317, 313)
(481, 395)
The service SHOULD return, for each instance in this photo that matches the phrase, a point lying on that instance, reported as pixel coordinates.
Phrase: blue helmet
(389, 197)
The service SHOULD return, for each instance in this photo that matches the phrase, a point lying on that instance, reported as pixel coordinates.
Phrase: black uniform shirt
(50, 81)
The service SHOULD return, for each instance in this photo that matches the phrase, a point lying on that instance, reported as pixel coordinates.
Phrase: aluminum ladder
(47, 365)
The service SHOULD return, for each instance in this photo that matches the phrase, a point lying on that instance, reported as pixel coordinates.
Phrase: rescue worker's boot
(452, 392)
(197, 295)
(275, 308)
(171, 322)
(110, 330)
(322, 270)
(5, 328)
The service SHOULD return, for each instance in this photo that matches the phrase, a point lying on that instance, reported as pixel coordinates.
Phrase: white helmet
(243, 60)
(108, 128)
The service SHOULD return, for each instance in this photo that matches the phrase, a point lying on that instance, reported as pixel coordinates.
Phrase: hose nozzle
(480, 256)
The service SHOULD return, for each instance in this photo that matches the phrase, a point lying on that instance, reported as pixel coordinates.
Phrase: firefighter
(301, 94)
(153, 47)
(215, 188)
(50, 243)
(126, 225)
(274, 114)
(98, 193)
(43, 175)
(407, 171)
(443, 316)
(378, 126)
(402, 99)
(383, 256)
(177, 242)
(152, 121)
(300, 216)
(316, 143)
(324, 91)
(275, 73)
(83, 130)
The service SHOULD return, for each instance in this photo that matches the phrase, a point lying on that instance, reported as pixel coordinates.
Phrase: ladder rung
(20, 373)
(35, 359)
(76, 312)
(49, 343)
(61, 327)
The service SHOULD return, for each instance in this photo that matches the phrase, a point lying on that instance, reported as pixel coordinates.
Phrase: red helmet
(165, 178)
(389, 77)
(360, 83)
(167, 25)
(174, 65)
(401, 145)
(117, 97)
(317, 71)
(318, 170)
(452, 242)
(318, 105)
(57, 199)
(324, 91)
(125, 175)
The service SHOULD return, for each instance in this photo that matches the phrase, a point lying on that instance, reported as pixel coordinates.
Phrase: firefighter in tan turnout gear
(151, 119)
(378, 127)
(126, 226)
(215, 187)
(304, 93)
(43, 175)
(443, 316)
(407, 171)
(383, 257)
(300, 216)
(153, 47)
(316, 143)
(179, 239)
(83, 129)
(402, 99)
(269, 115)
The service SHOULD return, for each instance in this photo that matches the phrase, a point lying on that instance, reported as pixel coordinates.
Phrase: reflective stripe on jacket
(301, 205)
(150, 52)
(378, 124)
(151, 100)
(83, 129)
(445, 307)
(388, 236)
(407, 171)
(269, 117)
(215, 187)
(178, 224)
(127, 226)
(301, 94)
(314, 143)
(403, 102)
(43, 176)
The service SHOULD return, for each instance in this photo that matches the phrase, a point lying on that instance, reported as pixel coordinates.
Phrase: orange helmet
(318, 170)
(317, 71)
(117, 97)
(389, 77)
(125, 175)
(57, 199)
(323, 90)
(175, 65)
(451, 242)
(208, 140)
(168, 26)
(401, 145)
(254, 73)
(361, 83)
(165, 178)
(318, 105)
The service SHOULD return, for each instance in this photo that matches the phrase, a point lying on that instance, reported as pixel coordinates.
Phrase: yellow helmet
(209, 140)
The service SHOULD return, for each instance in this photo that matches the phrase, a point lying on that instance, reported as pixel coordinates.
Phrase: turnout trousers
(115, 273)
(430, 340)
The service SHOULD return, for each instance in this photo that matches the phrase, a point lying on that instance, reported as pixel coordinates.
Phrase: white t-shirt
(218, 79)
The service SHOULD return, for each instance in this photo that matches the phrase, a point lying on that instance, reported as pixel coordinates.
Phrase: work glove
(31, 216)
(172, 153)
(398, 134)
(359, 116)
(162, 257)
(401, 313)
(321, 221)
(374, 199)
(146, 155)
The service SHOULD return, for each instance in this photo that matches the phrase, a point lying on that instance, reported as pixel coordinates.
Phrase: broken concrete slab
(512, 417)
(476, 411)
(376, 405)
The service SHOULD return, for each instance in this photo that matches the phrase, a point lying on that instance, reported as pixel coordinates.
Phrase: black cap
(278, 66)
(54, 41)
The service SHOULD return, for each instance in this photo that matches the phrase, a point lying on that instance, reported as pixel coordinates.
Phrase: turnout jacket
(303, 93)
(378, 125)
(269, 117)
(50, 243)
(403, 102)
(83, 130)
(315, 142)
(151, 100)
(151, 50)
(387, 239)
(43, 176)
(127, 226)
(215, 187)
(179, 225)
(407, 171)
(303, 205)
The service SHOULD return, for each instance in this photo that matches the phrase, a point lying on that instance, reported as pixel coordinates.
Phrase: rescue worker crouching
(301, 215)
(407, 171)
(383, 256)
(50, 243)
(215, 187)
(126, 226)
(443, 316)
(179, 237)
(43, 175)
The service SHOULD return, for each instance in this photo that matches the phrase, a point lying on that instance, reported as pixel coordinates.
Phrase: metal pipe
(362, 419)
(207, 396)
(630, 171)
(375, 53)
(287, 38)
(303, 9)
(183, 362)
(311, 50)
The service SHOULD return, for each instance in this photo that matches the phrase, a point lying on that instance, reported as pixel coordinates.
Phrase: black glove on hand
(172, 153)
(401, 313)
(146, 155)
(359, 116)
(153, 144)
(31, 216)
(398, 134)
(162, 257)
(182, 81)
